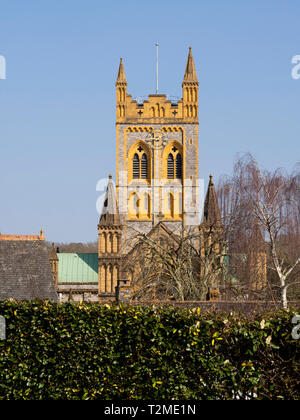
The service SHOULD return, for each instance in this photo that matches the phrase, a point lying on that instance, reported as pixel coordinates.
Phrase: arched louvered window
(140, 159)
(178, 166)
(136, 166)
(144, 167)
(174, 164)
(170, 166)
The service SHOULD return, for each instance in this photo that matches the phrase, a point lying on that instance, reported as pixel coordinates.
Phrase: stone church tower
(157, 173)
(157, 157)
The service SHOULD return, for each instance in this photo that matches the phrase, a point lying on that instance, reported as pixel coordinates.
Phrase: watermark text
(155, 198)
(2, 328)
(2, 68)
(296, 329)
(296, 68)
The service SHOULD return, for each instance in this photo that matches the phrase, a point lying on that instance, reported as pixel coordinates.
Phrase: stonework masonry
(156, 168)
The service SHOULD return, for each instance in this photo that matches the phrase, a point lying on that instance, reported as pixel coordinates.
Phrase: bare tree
(181, 266)
(271, 200)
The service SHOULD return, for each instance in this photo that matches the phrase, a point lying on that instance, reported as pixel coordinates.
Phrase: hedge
(91, 351)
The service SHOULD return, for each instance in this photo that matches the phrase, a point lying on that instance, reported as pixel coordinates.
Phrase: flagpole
(157, 45)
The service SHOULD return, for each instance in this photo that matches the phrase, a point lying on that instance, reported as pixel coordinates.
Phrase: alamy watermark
(296, 68)
(155, 198)
(2, 328)
(2, 68)
(296, 329)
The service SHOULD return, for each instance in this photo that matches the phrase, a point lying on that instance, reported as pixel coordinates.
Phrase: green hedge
(69, 351)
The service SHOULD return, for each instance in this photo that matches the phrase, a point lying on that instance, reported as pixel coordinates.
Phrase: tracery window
(140, 164)
(174, 164)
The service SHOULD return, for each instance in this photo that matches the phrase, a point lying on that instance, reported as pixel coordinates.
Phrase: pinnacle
(212, 213)
(190, 74)
(110, 213)
(121, 73)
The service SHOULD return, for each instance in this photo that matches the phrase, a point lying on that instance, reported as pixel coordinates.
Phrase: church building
(157, 183)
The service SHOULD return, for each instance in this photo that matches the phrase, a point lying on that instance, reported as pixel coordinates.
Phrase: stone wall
(187, 136)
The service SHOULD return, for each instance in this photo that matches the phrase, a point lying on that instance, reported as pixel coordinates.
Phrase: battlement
(159, 108)
(154, 108)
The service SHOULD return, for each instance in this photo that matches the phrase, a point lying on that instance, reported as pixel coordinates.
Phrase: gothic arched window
(140, 161)
(174, 164)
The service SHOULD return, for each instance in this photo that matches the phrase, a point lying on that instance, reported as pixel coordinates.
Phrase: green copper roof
(77, 268)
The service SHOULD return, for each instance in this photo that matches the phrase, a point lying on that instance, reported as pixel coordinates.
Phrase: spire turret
(190, 87)
(190, 74)
(109, 244)
(110, 213)
(121, 85)
(212, 215)
(121, 73)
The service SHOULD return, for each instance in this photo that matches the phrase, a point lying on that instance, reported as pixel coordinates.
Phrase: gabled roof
(162, 228)
(159, 230)
(25, 271)
(110, 212)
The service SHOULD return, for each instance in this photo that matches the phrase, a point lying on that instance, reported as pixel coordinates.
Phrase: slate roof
(25, 271)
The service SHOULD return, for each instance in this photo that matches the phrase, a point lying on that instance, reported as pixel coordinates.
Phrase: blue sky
(57, 105)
